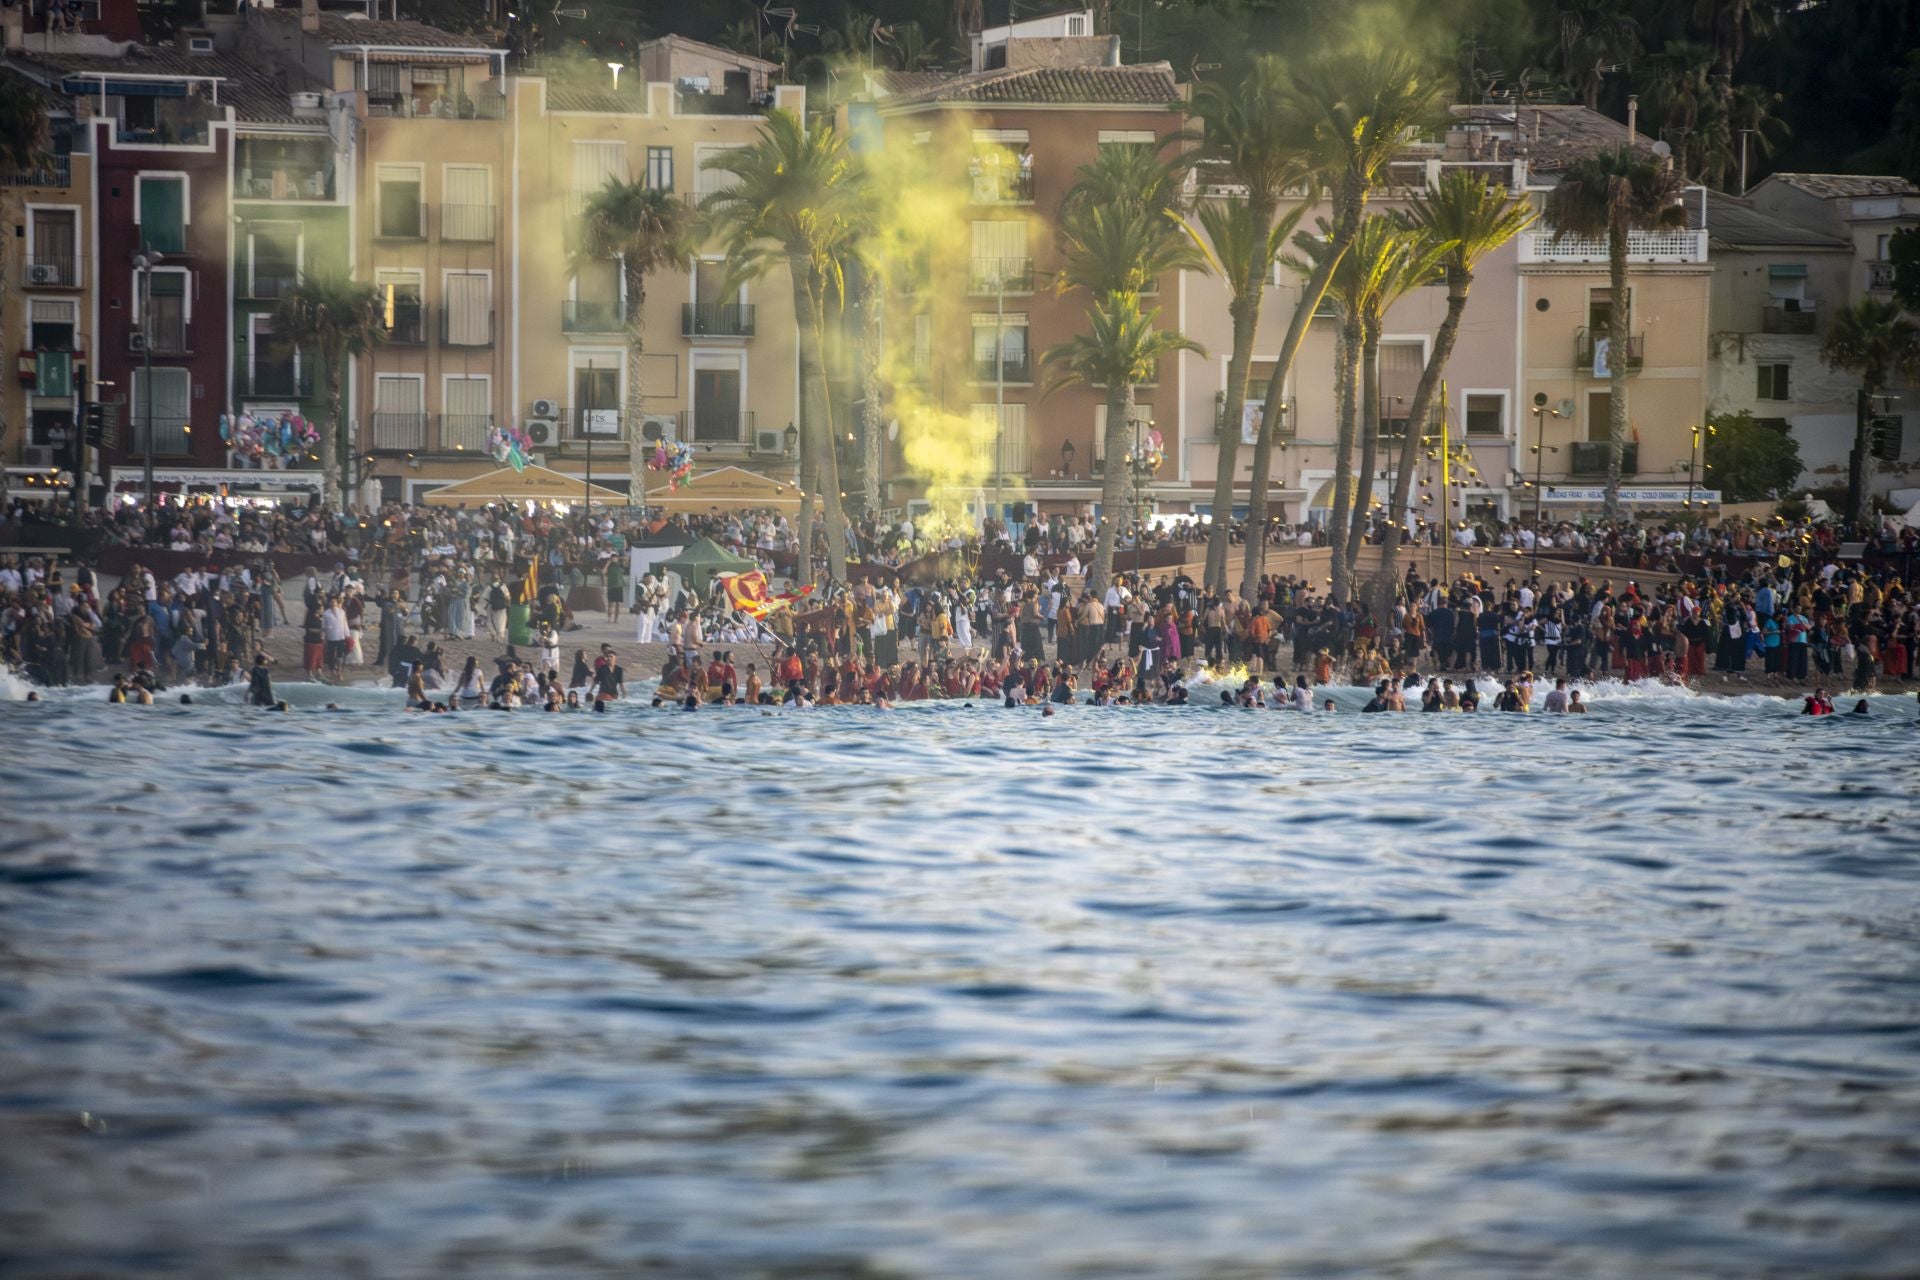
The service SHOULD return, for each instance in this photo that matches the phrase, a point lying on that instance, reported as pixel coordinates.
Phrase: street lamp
(1140, 468)
(1541, 412)
(1693, 461)
(143, 265)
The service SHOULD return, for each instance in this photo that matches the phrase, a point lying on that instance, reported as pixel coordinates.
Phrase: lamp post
(1541, 412)
(1140, 470)
(143, 265)
(1693, 463)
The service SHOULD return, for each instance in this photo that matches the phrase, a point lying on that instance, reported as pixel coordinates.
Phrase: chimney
(1633, 118)
(310, 16)
(1113, 51)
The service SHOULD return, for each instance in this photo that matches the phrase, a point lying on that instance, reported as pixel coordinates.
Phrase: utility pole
(144, 263)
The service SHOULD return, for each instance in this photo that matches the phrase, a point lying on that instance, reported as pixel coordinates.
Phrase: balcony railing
(723, 104)
(600, 426)
(592, 317)
(267, 286)
(283, 379)
(1015, 460)
(1789, 316)
(465, 330)
(716, 319)
(464, 432)
(471, 223)
(1014, 368)
(52, 271)
(409, 325)
(392, 432)
(1590, 458)
(182, 133)
(164, 336)
(1001, 184)
(401, 221)
(487, 105)
(716, 426)
(1539, 245)
(1583, 344)
(54, 171)
(993, 275)
(1879, 276)
(285, 181)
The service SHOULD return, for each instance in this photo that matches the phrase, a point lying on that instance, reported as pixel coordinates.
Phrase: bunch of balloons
(272, 441)
(675, 457)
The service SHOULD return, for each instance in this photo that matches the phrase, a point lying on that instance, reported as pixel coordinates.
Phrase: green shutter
(53, 374)
(163, 214)
(1786, 271)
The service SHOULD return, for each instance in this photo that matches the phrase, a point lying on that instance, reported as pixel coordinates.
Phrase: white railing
(1642, 246)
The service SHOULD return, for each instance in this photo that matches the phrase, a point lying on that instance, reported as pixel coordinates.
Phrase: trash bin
(519, 624)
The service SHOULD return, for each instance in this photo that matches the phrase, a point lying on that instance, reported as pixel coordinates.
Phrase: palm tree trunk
(816, 428)
(634, 410)
(1417, 418)
(332, 477)
(1347, 370)
(871, 427)
(1113, 484)
(1369, 442)
(1346, 226)
(1616, 367)
(1245, 311)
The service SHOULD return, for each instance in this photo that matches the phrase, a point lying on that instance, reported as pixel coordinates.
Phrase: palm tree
(1680, 93)
(1875, 339)
(1729, 23)
(1473, 219)
(645, 229)
(341, 319)
(23, 140)
(1594, 35)
(1611, 194)
(799, 200)
(1353, 111)
(1121, 348)
(1247, 136)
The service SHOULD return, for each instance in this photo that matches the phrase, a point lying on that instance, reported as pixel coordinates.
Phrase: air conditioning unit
(43, 273)
(136, 341)
(542, 431)
(657, 426)
(769, 442)
(36, 455)
(546, 409)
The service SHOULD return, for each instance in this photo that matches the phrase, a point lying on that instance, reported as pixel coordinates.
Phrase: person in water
(1818, 704)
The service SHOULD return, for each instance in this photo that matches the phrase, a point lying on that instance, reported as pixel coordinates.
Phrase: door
(596, 399)
(1599, 415)
(716, 402)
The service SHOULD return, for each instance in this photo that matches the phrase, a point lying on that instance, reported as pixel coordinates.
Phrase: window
(1146, 138)
(400, 305)
(399, 411)
(275, 366)
(716, 398)
(52, 324)
(660, 168)
(466, 412)
(711, 181)
(275, 253)
(1881, 246)
(466, 212)
(1142, 423)
(1015, 458)
(169, 308)
(1600, 310)
(1787, 284)
(1076, 24)
(597, 163)
(1010, 331)
(53, 247)
(1400, 367)
(162, 213)
(469, 309)
(596, 395)
(166, 394)
(1486, 414)
(922, 344)
(1000, 258)
(403, 214)
(1773, 381)
(1599, 415)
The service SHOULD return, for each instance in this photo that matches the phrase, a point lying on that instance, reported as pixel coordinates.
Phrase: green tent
(701, 561)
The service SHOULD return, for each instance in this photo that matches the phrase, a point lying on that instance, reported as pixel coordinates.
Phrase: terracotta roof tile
(1830, 186)
(1152, 84)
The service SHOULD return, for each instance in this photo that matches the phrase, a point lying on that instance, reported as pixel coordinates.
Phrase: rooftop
(1149, 84)
(253, 92)
(1834, 186)
(340, 29)
(731, 55)
(1737, 224)
(1565, 133)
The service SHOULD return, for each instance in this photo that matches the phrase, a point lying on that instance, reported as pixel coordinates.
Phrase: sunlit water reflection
(953, 993)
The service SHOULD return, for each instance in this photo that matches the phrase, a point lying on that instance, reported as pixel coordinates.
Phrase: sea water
(950, 992)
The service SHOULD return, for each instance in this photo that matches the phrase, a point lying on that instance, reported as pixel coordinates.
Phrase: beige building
(719, 366)
(1528, 330)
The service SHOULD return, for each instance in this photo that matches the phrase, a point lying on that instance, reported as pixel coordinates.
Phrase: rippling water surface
(951, 993)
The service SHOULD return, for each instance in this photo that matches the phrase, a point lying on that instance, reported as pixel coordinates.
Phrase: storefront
(177, 484)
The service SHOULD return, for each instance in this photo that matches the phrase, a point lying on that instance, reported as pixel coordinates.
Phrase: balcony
(1788, 315)
(1015, 458)
(388, 105)
(467, 223)
(1590, 458)
(997, 275)
(591, 426)
(54, 171)
(165, 336)
(270, 286)
(391, 432)
(401, 221)
(1880, 277)
(168, 133)
(277, 379)
(465, 329)
(283, 169)
(592, 317)
(1016, 367)
(716, 319)
(716, 426)
(1583, 343)
(464, 432)
(723, 104)
(1540, 246)
(51, 271)
(1006, 183)
(407, 325)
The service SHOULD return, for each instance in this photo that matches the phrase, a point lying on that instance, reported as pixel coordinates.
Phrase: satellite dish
(893, 429)
(1663, 149)
(1566, 408)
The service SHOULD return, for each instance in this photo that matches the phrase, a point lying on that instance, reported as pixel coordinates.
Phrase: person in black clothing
(1508, 699)
(260, 682)
(1379, 700)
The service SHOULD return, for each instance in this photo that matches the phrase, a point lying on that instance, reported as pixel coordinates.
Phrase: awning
(535, 484)
(727, 489)
(237, 478)
(1786, 271)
